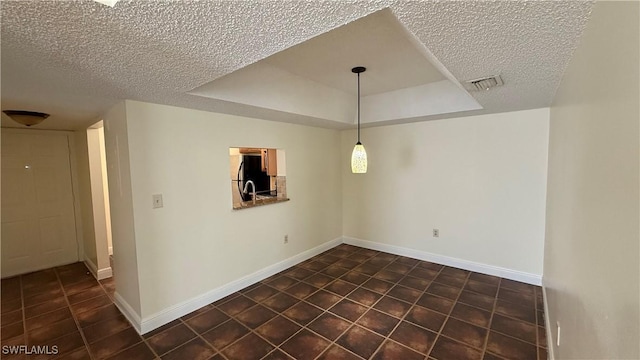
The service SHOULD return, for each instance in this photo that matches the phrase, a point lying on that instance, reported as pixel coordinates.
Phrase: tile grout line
(198, 335)
(143, 340)
(493, 311)
(351, 323)
(303, 327)
(511, 336)
(495, 300)
(448, 315)
(371, 307)
(453, 305)
(24, 313)
(312, 273)
(324, 311)
(281, 313)
(424, 292)
(401, 319)
(513, 319)
(231, 317)
(388, 336)
(167, 329)
(538, 351)
(68, 306)
(456, 301)
(73, 315)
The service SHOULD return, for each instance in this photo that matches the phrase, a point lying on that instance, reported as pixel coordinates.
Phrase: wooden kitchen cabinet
(270, 161)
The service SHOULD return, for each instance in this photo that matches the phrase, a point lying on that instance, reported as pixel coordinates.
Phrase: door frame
(99, 202)
(77, 215)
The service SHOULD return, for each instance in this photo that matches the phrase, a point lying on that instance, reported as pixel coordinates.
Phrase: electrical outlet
(286, 239)
(558, 337)
(157, 201)
(436, 233)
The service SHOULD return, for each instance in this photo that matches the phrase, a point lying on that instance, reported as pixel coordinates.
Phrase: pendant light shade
(359, 154)
(359, 159)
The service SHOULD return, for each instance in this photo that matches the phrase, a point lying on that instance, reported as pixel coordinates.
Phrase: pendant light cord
(358, 108)
(357, 70)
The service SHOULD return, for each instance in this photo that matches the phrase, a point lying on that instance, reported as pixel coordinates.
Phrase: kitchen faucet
(246, 185)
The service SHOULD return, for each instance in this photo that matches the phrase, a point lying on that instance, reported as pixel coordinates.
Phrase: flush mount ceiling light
(359, 154)
(27, 118)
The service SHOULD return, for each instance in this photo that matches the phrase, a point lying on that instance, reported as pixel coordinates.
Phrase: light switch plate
(157, 201)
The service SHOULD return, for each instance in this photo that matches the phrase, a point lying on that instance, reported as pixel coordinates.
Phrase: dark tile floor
(346, 303)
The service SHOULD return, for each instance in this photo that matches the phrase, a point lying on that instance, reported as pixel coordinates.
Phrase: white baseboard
(98, 274)
(165, 316)
(547, 323)
(91, 265)
(516, 275)
(105, 273)
(128, 312)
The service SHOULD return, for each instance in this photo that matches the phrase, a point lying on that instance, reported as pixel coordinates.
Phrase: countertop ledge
(249, 204)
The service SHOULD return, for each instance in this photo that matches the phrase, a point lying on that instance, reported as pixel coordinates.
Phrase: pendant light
(359, 154)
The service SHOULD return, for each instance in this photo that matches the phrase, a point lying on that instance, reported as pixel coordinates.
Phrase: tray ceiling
(76, 59)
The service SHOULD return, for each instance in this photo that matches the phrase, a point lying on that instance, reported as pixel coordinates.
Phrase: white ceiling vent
(484, 83)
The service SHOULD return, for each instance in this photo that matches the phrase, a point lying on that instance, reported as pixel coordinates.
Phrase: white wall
(105, 187)
(98, 202)
(88, 238)
(234, 164)
(196, 242)
(93, 210)
(125, 249)
(480, 180)
(592, 239)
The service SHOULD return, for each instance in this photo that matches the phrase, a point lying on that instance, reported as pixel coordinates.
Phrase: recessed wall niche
(258, 176)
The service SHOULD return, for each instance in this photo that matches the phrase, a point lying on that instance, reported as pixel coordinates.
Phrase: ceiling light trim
(26, 118)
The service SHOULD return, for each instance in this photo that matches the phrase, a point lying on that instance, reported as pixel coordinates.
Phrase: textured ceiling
(377, 40)
(314, 78)
(75, 59)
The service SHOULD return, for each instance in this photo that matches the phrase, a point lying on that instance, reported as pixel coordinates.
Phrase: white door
(38, 221)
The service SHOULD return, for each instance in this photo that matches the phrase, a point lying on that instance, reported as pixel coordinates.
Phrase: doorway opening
(100, 200)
